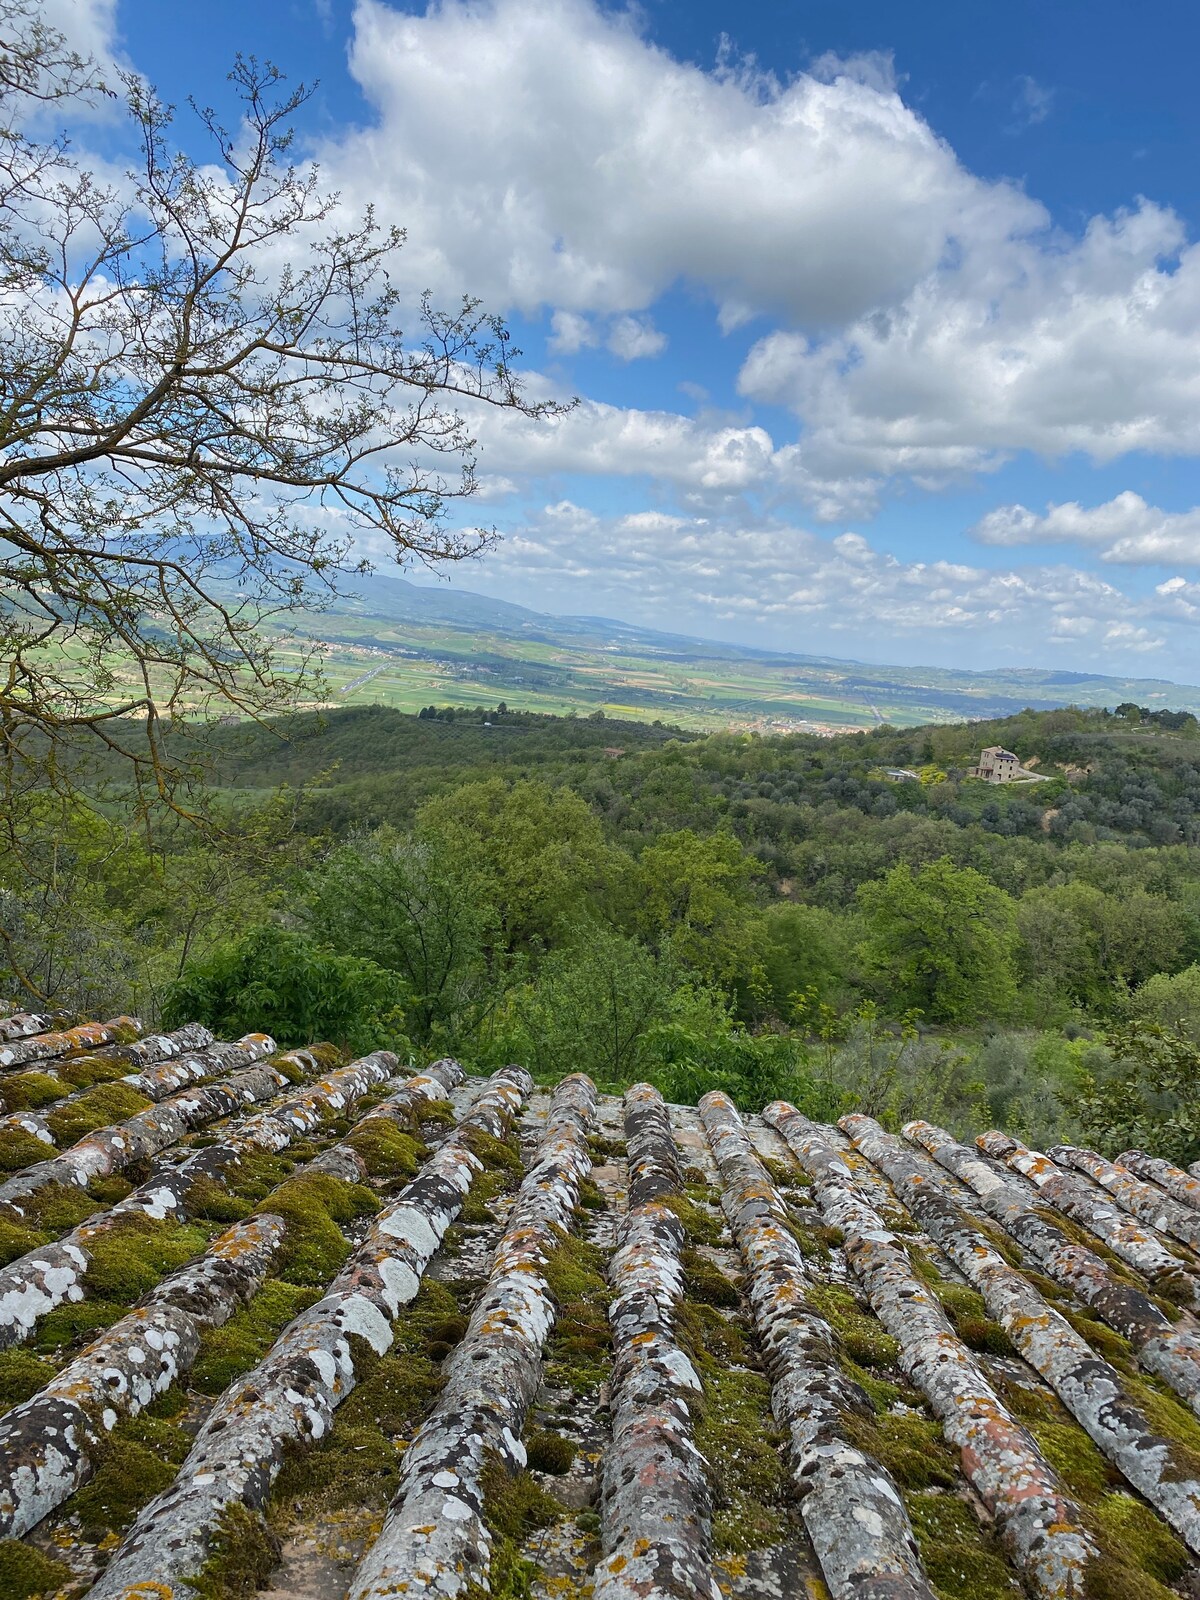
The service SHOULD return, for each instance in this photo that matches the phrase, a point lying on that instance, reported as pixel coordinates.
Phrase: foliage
(532, 853)
(404, 904)
(761, 915)
(591, 1008)
(210, 395)
(942, 941)
(1149, 1095)
(273, 980)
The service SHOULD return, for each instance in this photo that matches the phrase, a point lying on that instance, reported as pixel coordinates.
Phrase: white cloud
(1031, 104)
(569, 333)
(544, 152)
(782, 586)
(1125, 529)
(630, 338)
(696, 457)
(1051, 345)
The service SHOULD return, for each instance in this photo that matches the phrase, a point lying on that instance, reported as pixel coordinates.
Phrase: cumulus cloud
(545, 153)
(630, 338)
(569, 333)
(1124, 529)
(782, 585)
(1051, 346)
(695, 456)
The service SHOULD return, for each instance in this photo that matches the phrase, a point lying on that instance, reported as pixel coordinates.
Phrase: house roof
(398, 1328)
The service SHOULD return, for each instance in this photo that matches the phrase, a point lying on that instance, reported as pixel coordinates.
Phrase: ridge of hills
(389, 641)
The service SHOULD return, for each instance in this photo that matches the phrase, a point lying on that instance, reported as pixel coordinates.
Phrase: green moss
(486, 1187)
(735, 1432)
(603, 1149)
(208, 1198)
(1175, 1285)
(591, 1197)
(130, 1257)
(29, 1091)
(1086, 1473)
(502, 1155)
(549, 1452)
(76, 1322)
(1142, 1537)
(19, 1149)
(815, 1239)
(860, 1335)
(58, 1207)
(910, 1447)
(21, 1374)
(358, 1463)
(108, 1191)
(437, 1113)
(96, 1108)
(1102, 1339)
(579, 1346)
(134, 1462)
(81, 1072)
(783, 1174)
(882, 1394)
(388, 1152)
(974, 1327)
(700, 1226)
(26, 1572)
(242, 1555)
(514, 1506)
(17, 1237)
(251, 1177)
(704, 1281)
(1001, 1243)
(963, 1560)
(315, 1205)
(239, 1344)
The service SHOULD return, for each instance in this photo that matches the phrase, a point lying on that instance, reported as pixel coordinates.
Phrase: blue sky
(884, 320)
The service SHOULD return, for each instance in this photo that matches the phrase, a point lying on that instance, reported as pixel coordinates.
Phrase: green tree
(1149, 1097)
(398, 901)
(696, 897)
(592, 1006)
(534, 854)
(941, 941)
(274, 981)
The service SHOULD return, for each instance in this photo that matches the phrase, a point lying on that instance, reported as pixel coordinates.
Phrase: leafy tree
(274, 981)
(532, 853)
(941, 941)
(1149, 1097)
(592, 1006)
(399, 902)
(209, 399)
(695, 897)
(1170, 1001)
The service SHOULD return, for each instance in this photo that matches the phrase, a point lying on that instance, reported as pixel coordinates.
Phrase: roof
(395, 1328)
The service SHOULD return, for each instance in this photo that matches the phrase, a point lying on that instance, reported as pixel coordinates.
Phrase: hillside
(391, 642)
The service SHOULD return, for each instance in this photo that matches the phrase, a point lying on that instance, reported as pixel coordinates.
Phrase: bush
(271, 980)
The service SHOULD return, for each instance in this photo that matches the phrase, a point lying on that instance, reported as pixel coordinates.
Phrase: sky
(883, 321)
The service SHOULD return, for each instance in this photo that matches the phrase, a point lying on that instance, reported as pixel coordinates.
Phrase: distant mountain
(398, 600)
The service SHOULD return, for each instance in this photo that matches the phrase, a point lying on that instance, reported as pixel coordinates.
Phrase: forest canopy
(770, 915)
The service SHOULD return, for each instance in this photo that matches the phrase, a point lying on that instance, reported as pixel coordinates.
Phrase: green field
(389, 642)
(392, 643)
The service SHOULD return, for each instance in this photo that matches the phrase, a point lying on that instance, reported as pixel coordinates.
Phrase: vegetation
(772, 916)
